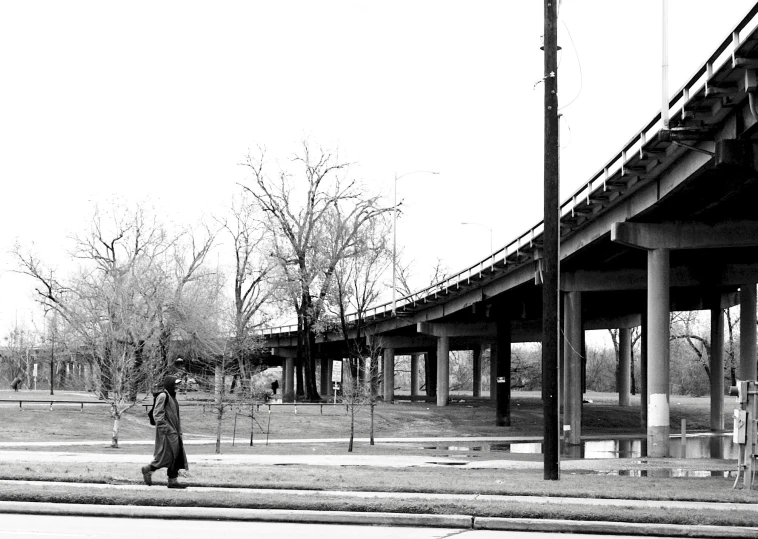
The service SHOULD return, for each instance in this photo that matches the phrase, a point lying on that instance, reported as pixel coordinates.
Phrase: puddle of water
(697, 447)
(664, 473)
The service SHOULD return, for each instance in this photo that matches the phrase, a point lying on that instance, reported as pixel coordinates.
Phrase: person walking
(16, 383)
(169, 449)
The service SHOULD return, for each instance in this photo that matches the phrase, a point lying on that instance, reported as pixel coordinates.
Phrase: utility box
(745, 430)
(740, 427)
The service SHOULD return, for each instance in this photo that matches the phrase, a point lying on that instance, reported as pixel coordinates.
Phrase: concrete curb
(612, 528)
(460, 522)
(261, 515)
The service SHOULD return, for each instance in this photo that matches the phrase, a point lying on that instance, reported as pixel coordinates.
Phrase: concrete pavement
(462, 522)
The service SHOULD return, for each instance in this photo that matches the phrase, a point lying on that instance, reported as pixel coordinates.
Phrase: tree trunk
(116, 426)
(372, 422)
(218, 390)
(352, 428)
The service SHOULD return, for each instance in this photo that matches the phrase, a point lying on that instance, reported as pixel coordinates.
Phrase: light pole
(492, 253)
(394, 237)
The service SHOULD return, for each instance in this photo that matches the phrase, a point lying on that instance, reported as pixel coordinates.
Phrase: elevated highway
(668, 223)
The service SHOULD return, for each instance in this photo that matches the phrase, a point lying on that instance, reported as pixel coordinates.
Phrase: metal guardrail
(51, 402)
(726, 52)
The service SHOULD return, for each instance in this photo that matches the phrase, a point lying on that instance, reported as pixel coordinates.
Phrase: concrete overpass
(670, 222)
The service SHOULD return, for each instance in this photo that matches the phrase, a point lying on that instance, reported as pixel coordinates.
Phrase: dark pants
(172, 471)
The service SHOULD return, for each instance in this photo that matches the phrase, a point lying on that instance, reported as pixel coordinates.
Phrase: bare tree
(313, 236)
(111, 303)
(252, 287)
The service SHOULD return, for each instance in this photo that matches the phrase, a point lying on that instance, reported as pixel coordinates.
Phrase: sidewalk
(462, 522)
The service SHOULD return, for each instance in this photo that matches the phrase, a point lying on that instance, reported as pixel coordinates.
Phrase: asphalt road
(13, 526)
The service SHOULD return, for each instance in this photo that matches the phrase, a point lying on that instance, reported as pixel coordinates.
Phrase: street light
(394, 237)
(492, 253)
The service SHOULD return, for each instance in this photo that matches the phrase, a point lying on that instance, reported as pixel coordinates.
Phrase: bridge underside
(671, 224)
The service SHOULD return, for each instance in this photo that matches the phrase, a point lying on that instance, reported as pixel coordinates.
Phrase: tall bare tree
(115, 302)
(314, 234)
(252, 285)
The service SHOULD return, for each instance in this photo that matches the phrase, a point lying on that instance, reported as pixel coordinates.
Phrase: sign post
(35, 377)
(336, 377)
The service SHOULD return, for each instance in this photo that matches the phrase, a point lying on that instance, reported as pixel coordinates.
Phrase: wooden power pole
(550, 235)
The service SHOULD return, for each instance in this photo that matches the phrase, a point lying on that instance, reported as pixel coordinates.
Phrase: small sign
(501, 379)
(337, 371)
(35, 370)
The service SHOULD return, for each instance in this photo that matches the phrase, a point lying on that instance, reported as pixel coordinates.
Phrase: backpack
(150, 412)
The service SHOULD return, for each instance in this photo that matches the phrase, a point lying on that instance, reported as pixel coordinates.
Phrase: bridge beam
(636, 279)
(686, 235)
(446, 329)
(404, 342)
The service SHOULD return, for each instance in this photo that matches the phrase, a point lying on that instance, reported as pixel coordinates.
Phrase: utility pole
(550, 235)
(52, 344)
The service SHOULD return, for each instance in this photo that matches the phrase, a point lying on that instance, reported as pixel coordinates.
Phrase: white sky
(160, 101)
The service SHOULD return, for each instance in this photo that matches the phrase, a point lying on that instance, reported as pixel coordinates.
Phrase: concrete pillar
(388, 375)
(288, 391)
(477, 370)
(643, 371)
(443, 370)
(325, 379)
(329, 384)
(503, 374)
(414, 374)
(658, 421)
(747, 333)
(572, 392)
(430, 372)
(625, 362)
(717, 369)
(373, 366)
(493, 372)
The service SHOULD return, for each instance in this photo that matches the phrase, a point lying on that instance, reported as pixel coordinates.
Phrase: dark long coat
(169, 448)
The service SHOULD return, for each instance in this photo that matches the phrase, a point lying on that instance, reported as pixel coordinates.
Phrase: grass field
(647, 479)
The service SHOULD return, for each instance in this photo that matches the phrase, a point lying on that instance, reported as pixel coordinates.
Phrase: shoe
(147, 475)
(173, 482)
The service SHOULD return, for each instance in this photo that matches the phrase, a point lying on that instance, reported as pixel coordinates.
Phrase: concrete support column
(717, 369)
(493, 372)
(748, 370)
(329, 384)
(288, 391)
(388, 375)
(503, 374)
(477, 370)
(658, 420)
(430, 372)
(643, 371)
(443, 370)
(373, 367)
(324, 378)
(572, 394)
(414, 374)
(625, 362)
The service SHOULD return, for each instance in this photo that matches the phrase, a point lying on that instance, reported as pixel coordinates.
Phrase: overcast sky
(160, 101)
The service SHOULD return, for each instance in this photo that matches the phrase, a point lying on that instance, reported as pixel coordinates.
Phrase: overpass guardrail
(726, 56)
